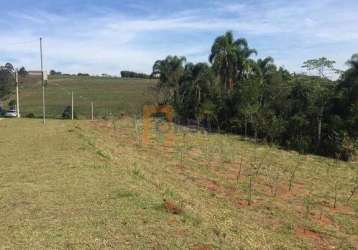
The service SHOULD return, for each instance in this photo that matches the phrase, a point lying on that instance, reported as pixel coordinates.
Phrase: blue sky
(107, 36)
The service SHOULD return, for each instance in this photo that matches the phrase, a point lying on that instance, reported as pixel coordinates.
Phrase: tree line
(131, 74)
(234, 93)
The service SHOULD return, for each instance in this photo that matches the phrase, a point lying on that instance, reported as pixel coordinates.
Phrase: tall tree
(230, 59)
(266, 102)
(170, 70)
(6, 80)
(9, 67)
(22, 72)
(195, 90)
(323, 67)
(224, 58)
(266, 67)
(245, 65)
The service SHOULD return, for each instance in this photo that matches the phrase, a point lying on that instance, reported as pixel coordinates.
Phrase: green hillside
(110, 95)
(95, 185)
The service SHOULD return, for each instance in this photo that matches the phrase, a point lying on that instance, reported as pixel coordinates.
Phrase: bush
(339, 145)
(30, 115)
(67, 113)
(347, 148)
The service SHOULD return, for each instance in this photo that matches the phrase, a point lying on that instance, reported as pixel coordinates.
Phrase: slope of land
(95, 185)
(111, 96)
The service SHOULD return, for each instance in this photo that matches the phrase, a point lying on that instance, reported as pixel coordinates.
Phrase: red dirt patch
(244, 203)
(202, 247)
(302, 232)
(231, 194)
(211, 185)
(172, 208)
(317, 216)
(321, 218)
(316, 238)
(342, 210)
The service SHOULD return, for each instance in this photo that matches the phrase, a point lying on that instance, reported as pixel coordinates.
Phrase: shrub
(30, 115)
(341, 145)
(67, 113)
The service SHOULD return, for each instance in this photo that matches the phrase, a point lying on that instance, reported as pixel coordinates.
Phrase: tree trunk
(255, 133)
(319, 131)
(245, 127)
(319, 134)
(199, 97)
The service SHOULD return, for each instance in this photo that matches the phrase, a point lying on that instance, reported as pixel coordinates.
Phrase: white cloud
(111, 41)
(235, 7)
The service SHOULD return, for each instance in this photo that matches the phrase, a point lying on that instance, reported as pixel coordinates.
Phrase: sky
(107, 36)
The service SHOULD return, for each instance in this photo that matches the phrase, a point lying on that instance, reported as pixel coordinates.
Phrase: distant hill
(110, 95)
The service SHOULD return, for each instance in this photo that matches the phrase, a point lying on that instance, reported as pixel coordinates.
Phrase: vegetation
(7, 80)
(131, 74)
(307, 112)
(23, 72)
(83, 74)
(67, 113)
(81, 184)
(54, 72)
(111, 96)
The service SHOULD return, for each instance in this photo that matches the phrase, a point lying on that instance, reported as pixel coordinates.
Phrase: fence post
(92, 112)
(72, 106)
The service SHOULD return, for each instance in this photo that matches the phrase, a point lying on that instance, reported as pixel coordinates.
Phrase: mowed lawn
(111, 96)
(95, 185)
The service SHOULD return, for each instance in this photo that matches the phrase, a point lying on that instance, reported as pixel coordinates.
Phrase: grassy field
(95, 185)
(110, 95)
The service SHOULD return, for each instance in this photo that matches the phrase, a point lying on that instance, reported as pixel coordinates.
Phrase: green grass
(110, 96)
(91, 185)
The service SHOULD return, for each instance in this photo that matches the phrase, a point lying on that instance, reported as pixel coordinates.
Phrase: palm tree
(230, 59)
(170, 70)
(202, 79)
(224, 58)
(245, 65)
(194, 86)
(266, 66)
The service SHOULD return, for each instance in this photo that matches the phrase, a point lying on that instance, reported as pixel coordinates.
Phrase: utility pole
(72, 105)
(17, 94)
(92, 111)
(43, 85)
